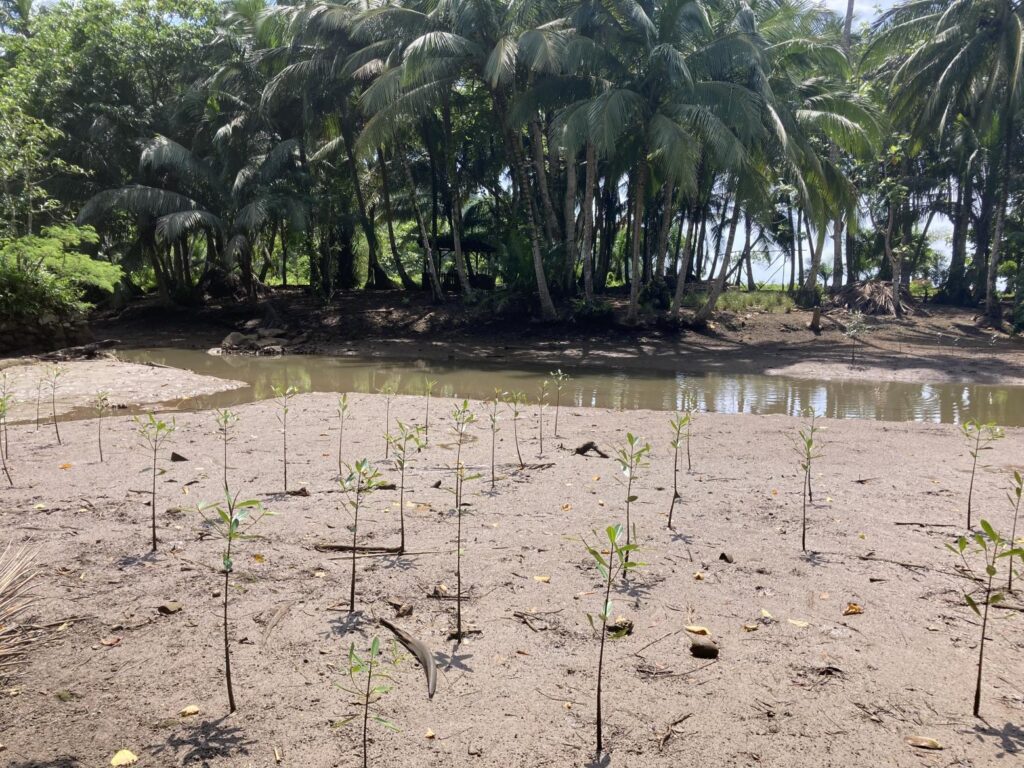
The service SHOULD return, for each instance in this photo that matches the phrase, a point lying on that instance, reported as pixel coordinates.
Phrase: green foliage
(515, 402)
(462, 417)
(225, 420)
(808, 448)
(282, 399)
(101, 407)
(680, 425)
(342, 413)
(632, 457)
(408, 436)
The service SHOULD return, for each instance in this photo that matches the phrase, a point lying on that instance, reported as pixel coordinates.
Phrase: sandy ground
(78, 383)
(808, 688)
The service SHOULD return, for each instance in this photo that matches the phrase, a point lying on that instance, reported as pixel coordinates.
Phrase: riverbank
(802, 680)
(937, 344)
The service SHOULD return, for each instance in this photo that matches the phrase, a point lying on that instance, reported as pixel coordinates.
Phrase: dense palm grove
(559, 150)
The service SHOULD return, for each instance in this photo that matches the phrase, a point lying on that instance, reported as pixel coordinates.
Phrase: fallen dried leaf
(750, 627)
(542, 579)
(65, 466)
(124, 757)
(798, 623)
(189, 711)
(111, 641)
(923, 742)
(698, 576)
(852, 609)
(695, 629)
(430, 734)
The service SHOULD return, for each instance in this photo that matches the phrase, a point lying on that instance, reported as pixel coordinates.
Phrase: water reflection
(622, 390)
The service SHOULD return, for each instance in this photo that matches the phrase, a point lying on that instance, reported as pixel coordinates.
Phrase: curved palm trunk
(537, 147)
(455, 204)
(435, 284)
(569, 215)
(667, 214)
(719, 285)
(684, 267)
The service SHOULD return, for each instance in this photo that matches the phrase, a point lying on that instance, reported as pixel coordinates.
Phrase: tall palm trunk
(537, 153)
(667, 214)
(407, 282)
(684, 267)
(569, 215)
(435, 284)
(455, 203)
(590, 181)
(993, 307)
(634, 260)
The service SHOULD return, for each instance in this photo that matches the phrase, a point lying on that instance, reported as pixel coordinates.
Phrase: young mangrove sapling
(678, 423)
(4, 406)
(388, 390)
(231, 520)
(462, 417)
(377, 685)
(362, 480)
(342, 413)
(282, 398)
(992, 547)
(52, 380)
(154, 433)
(493, 416)
(979, 437)
(809, 449)
(400, 442)
(542, 403)
(560, 380)
(515, 400)
(1015, 496)
(101, 405)
(5, 393)
(616, 562)
(428, 387)
(631, 458)
(225, 419)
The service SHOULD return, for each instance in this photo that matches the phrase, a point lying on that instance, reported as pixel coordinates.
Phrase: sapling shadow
(282, 398)
(808, 448)
(617, 562)
(4, 407)
(542, 403)
(1016, 490)
(678, 423)
(493, 416)
(342, 413)
(428, 390)
(154, 433)
(53, 382)
(461, 417)
(515, 402)
(407, 435)
(226, 420)
(631, 458)
(369, 685)
(560, 380)
(231, 519)
(362, 480)
(992, 547)
(979, 437)
(101, 407)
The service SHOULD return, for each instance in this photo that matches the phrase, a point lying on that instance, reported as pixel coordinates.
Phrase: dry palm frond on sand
(17, 569)
(873, 297)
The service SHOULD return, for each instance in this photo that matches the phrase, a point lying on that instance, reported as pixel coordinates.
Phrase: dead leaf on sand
(923, 742)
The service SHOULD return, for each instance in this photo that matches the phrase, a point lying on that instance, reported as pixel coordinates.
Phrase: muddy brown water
(719, 392)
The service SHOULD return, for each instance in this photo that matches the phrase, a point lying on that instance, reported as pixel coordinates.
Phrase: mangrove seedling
(401, 441)
(40, 383)
(1016, 490)
(992, 547)
(342, 413)
(4, 405)
(362, 480)
(282, 398)
(856, 329)
(493, 416)
(428, 388)
(616, 562)
(678, 423)
(101, 406)
(979, 437)
(542, 403)
(52, 381)
(515, 401)
(462, 417)
(369, 685)
(560, 380)
(231, 520)
(154, 433)
(5, 393)
(631, 458)
(388, 390)
(225, 419)
(808, 447)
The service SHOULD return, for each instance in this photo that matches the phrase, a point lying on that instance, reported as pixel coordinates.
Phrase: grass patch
(744, 301)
